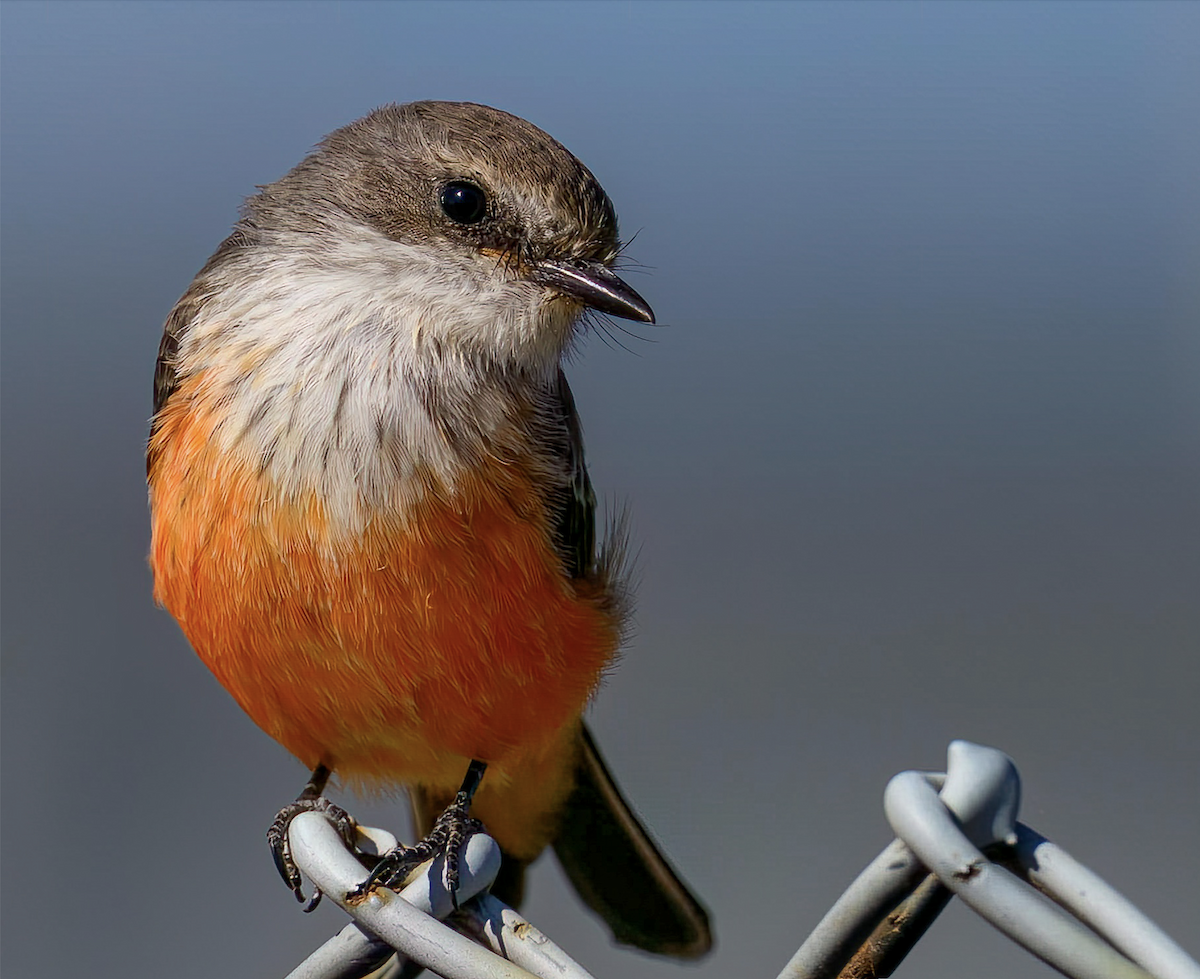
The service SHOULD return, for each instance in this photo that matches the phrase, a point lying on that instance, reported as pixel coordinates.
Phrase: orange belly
(391, 654)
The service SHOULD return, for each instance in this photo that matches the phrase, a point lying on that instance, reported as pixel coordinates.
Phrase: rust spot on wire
(973, 869)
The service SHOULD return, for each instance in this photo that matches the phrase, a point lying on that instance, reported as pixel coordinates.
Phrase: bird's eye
(464, 202)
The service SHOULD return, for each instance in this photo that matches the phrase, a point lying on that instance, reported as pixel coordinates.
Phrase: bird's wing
(575, 509)
(166, 374)
(166, 368)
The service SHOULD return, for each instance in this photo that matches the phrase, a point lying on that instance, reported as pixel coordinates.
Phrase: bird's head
(492, 235)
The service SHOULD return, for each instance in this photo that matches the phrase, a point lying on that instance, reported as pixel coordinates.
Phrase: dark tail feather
(618, 870)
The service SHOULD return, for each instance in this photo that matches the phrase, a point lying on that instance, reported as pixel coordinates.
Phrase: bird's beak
(595, 285)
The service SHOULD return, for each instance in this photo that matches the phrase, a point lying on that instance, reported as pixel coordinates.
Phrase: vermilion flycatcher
(371, 515)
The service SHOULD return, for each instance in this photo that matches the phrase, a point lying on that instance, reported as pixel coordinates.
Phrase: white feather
(321, 364)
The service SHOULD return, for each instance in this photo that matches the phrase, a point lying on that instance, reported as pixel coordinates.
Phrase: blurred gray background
(915, 454)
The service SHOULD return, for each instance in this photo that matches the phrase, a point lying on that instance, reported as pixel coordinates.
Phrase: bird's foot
(448, 837)
(310, 800)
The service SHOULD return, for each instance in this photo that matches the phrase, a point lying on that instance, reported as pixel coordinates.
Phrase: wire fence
(957, 835)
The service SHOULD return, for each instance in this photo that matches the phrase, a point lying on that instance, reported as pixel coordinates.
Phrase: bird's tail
(618, 870)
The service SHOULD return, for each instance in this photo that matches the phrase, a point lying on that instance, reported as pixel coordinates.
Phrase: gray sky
(915, 454)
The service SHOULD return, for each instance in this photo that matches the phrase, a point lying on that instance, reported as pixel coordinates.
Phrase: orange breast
(392, 653)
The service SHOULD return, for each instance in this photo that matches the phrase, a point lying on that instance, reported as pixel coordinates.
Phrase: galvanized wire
(408, 921)
(1057, 909)
(957, 835)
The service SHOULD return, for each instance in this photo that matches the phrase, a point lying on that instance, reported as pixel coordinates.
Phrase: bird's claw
(281, 850)
(449, 835)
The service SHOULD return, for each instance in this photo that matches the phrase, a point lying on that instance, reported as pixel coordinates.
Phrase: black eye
(464, 202)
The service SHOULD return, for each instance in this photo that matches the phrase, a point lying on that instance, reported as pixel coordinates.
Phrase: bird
(370, 510)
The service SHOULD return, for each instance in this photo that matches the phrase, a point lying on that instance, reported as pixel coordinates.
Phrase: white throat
(362, 369)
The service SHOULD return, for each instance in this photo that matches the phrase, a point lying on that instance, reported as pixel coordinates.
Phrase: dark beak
(593, 285)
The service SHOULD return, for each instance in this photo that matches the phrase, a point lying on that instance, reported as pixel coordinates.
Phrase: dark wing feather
(166, 372)
(166, 368)
(575, 523)
(166, 377)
